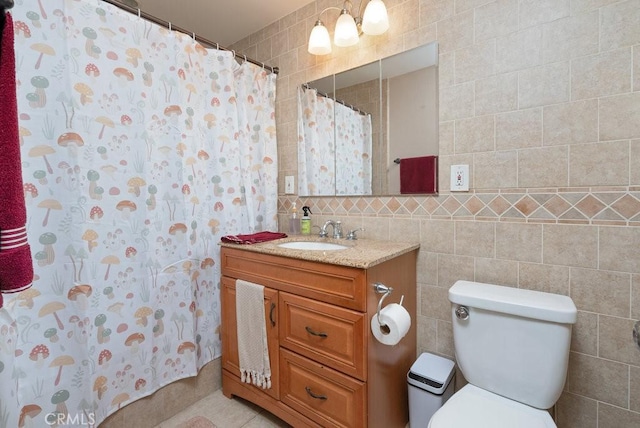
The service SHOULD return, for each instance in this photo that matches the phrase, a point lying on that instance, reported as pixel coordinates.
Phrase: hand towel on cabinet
(253, 349)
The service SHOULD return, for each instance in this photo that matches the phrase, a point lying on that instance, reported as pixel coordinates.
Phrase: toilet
(512, 346)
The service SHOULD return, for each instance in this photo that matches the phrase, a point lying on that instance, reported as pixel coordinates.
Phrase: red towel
(16, 266)
(253, 238)
(419, 175)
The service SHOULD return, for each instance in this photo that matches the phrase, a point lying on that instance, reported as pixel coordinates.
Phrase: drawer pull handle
(316, 396)
(273, 322)
(315, 333)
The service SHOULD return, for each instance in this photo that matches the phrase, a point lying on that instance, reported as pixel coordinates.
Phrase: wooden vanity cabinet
(327, 368)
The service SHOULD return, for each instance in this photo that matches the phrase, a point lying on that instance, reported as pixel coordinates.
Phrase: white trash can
(430, 386)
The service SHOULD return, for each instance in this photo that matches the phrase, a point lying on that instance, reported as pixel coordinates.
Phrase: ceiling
(221, 21)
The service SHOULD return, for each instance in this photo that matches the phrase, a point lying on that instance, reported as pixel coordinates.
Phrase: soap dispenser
(305, 222)
(294, 222)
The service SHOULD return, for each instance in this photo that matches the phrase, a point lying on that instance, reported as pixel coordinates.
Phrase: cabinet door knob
(316, 396)
(315, 333)
(273, 307)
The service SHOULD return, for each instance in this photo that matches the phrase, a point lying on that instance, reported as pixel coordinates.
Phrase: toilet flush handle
(462, 313)
(636, 333)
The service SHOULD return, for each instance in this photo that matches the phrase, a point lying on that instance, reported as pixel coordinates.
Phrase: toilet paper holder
(385, 290)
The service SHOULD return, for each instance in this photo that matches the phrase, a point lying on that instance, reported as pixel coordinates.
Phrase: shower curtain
(353, 151)
(140, 149)
(334, 147)
(316, 145)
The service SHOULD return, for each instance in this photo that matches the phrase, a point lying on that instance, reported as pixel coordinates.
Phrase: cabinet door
(230, 359)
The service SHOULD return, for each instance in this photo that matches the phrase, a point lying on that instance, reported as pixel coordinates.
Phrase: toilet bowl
(512, 346)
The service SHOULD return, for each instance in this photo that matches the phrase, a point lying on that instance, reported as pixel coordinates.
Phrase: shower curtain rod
(167, 24)
(322, 94)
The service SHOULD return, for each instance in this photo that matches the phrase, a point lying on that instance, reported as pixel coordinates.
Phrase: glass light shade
(346, 31)
(375, 20)
(319, 40)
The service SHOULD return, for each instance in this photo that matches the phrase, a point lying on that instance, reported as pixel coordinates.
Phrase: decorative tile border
(613, 206)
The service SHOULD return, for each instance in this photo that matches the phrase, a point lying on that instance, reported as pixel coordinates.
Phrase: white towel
(253, 350)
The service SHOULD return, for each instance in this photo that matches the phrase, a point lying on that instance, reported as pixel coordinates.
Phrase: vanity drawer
(325, 333)
(320, 393)
(340, 285)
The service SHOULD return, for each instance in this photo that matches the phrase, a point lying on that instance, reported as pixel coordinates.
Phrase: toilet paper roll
(397, 321)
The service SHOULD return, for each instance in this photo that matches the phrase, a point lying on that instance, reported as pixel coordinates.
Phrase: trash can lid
(431, 373)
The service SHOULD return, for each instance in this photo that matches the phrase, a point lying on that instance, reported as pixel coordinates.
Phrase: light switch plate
(459, 178)
(289, 183)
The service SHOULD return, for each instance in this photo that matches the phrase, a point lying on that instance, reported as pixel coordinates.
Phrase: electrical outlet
(288, 184)
(459, 178)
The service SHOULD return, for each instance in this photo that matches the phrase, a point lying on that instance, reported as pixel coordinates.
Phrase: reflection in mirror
(336, 137)
(353, 125)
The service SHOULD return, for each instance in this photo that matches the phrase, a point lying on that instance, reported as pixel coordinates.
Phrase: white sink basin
(312, 245)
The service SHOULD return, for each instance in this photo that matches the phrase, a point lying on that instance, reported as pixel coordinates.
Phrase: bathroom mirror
(353, 125)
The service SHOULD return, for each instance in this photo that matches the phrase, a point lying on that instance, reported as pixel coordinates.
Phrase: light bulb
(375, 20)
(319, 40)
(346, 31)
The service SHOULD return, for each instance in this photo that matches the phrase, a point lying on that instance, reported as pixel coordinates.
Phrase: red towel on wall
(16, 266)
(253, 238)
(419, 175)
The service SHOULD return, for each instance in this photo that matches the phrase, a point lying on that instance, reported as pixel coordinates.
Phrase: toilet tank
(514, 342)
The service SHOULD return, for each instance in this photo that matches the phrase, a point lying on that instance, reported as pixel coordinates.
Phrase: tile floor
(226, 413)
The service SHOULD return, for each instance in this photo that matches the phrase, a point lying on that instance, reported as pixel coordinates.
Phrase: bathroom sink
(312, 245)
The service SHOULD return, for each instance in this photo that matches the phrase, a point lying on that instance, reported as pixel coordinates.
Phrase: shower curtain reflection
(334, 146)
(140, 150)
(353, 151)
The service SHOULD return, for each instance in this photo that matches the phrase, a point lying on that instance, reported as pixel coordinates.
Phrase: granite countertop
(362, 253)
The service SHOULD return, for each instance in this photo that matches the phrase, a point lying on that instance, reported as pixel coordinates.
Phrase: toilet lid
(475, 407)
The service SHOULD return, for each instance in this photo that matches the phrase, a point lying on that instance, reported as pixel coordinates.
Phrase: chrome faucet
(351, 236)
(337, 229)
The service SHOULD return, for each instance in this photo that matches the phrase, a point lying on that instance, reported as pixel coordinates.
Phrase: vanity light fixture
(374, 21)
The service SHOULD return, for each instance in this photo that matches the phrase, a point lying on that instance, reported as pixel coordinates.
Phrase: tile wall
(542, 99)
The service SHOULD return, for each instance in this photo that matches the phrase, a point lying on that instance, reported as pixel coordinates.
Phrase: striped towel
(253, 238)
(16, 265)
(253, 350)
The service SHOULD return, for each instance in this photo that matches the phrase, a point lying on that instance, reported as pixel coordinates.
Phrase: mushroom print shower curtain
(353, 151)
(334, 147)
(140, 148)
(316, 145)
